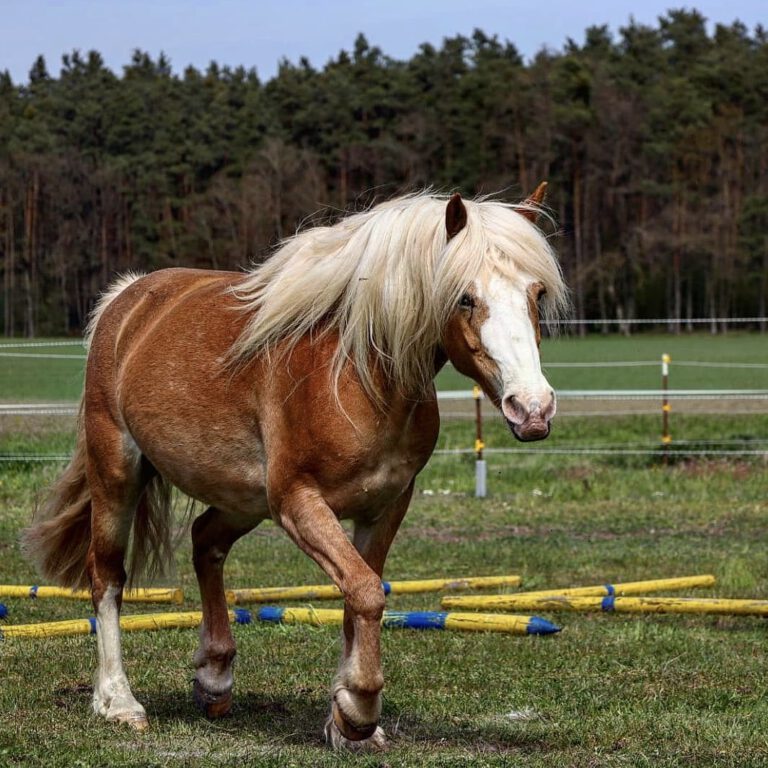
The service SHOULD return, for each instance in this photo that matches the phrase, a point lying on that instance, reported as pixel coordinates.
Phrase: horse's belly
(366, 494)
(219, 467)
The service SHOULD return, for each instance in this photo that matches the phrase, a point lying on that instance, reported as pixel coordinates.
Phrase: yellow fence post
(666, 438)
(481, 470)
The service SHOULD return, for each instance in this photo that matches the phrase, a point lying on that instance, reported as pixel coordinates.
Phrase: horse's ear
(534, 200)
(455, 216)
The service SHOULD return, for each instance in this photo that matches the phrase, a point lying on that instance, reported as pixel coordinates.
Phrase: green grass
(607, 691)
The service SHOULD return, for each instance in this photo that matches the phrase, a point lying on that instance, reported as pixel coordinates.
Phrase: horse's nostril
(513, 410)
(551, 406)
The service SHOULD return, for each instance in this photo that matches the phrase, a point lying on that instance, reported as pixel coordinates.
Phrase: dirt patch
(457, 535)
(738, 470)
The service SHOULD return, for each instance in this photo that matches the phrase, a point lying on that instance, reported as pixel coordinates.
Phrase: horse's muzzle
(529, 420)
(527, 433)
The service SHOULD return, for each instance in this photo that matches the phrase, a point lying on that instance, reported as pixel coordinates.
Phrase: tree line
(654, 141)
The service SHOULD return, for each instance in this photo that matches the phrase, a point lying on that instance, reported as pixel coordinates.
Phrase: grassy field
(607, 691)
(32, 379)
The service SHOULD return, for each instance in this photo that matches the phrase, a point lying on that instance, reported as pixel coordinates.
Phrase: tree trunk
(761, 308)
(577, 249)
(9, 278)
(30, 247)
(105, 270)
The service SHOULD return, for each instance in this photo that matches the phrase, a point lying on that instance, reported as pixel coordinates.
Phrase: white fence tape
(38, 409)
(56, 457)
(665, 321)
(70, 409)
(598, 452)
(42, 355)
(571, 364)
(630, 394)
(31, 344)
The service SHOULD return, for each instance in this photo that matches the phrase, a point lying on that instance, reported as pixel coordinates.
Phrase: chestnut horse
(301, 391)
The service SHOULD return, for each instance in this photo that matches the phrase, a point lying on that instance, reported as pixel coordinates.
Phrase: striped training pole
(613, 604)
(465, 622)
(152, 595)
(332, 592)
(666, 438)
(481, 470)
(512, 602)
(89, 626)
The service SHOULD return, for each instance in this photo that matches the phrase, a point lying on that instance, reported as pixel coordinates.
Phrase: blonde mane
(386, 281)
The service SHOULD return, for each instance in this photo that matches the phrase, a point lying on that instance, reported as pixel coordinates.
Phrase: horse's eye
(466, 301)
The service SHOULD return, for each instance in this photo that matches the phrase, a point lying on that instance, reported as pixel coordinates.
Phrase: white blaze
(508, 336)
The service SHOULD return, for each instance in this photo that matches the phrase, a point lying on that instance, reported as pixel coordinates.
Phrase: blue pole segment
(608, 603)
(270, 613)
(242, 616)
(414, 619)
(539, 626)
(387, 587)
(610, 589)
(3, 611)
(33, 591)
(94, 625)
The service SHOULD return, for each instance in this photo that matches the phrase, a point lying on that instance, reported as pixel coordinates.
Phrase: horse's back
(148, 299)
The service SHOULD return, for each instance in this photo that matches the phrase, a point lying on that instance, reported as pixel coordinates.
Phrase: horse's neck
(440, 360)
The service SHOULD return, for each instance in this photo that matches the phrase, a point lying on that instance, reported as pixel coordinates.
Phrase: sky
(259, 33)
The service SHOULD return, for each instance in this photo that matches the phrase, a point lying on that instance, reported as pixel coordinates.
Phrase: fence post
(481, 471)
(666, 438)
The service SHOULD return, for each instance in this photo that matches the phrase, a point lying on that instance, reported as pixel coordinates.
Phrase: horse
(301, 391)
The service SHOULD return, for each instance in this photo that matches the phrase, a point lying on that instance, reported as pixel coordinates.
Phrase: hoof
(334, 738)
(138, 724)
(212, 705)
(349, 730)
(137, 721)
(124, 710)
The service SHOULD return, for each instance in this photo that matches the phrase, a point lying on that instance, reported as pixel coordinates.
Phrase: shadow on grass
(482, 734)
(298, 720)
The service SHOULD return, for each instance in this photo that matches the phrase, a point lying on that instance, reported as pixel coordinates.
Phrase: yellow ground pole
(153, 595)
(330, 591)
(512, 602)
(463, 622)
(721, 606)
(467, 622)
(135, 623)
(50, 628)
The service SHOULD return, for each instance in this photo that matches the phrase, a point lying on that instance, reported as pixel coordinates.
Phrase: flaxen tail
(57, 542)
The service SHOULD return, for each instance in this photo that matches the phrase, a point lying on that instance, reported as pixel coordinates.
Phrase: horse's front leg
(372, 539)
(356, 703)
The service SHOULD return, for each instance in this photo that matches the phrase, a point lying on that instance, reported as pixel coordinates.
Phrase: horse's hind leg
(213, 534)
(116, 482)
